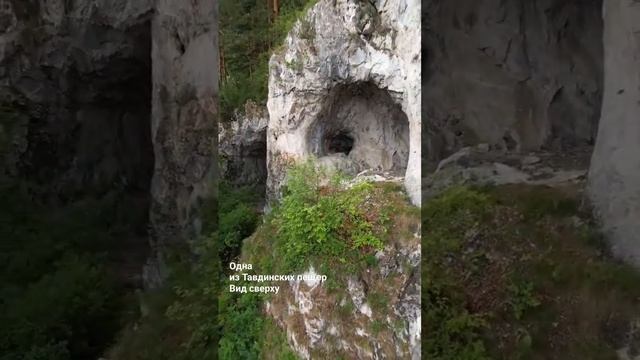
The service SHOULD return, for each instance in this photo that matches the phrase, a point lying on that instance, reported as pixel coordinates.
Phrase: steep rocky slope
(116, 93)
(551, 76)
(83, 74)
(368, 304)
(243, 146)
(520, 272)
(184, 122)
(345, 88)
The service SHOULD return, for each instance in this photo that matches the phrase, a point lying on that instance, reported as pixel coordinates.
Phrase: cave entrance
(341, 142)
(361, 127)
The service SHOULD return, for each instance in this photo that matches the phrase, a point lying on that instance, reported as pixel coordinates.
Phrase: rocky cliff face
(614, 180)
(367, 306)
(517, 75)
(345, 88)
(99, 118)
(377, 317)
(81, 71)
(243, 147)
(184, 111)
(80, 74)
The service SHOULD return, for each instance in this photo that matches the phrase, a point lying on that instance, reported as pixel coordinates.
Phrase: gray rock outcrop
(81, 72)
(614, 178)
(517, 75)
(184, 111)
(243, 147)
(346, 89)
(371, 312)
(100, 120)
(479, 166)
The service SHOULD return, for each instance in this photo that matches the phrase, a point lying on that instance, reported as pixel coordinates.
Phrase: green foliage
(324, 221)
(196, 307)
(238, 218)
(248, 36)
(243, 322)
(274, 344)
(508, 273)
(56, 299)
(450, 331)
(377, 326)
(197, 317)
(180, 320)
(522, 298)
(378, 302)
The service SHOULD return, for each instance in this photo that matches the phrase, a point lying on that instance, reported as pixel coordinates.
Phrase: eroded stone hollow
(360, 128)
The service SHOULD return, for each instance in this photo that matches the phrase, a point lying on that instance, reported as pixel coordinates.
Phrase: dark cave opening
(338, 142)
(361, 127)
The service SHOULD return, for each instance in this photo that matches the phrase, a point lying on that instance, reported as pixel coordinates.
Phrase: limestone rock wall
(99, 119)
(614, 179)
(81, 72)
(184, 113)
(338, 55)
(243, 147)
(517, 75)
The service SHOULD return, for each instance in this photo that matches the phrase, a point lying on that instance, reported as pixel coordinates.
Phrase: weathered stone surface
(184, 113)
(520, 75)
(320, 324)
(477, 166)
(614, 179)
(243, 147)
(81, 72)
(346, 89)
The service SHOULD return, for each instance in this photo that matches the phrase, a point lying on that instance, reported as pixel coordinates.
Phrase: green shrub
(248, 37)
(508, 273)
(57, 300)
(324, 221)
(238, 218)
(70, 312)
(242, 322)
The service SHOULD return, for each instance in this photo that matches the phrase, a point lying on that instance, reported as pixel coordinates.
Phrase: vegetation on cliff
(250, 30)
(324, 223)
(60, 297)
(519, 272)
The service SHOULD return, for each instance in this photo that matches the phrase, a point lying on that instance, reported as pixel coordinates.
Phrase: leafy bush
(56, 299)
(196, 306)
(243, 322)
(195, 317)
(238, 218)
(451, 332)
(325, 221)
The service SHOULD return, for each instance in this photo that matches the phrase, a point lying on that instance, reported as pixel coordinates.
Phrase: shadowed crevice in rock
(338, 142)
(359, 128)
(243, 147)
